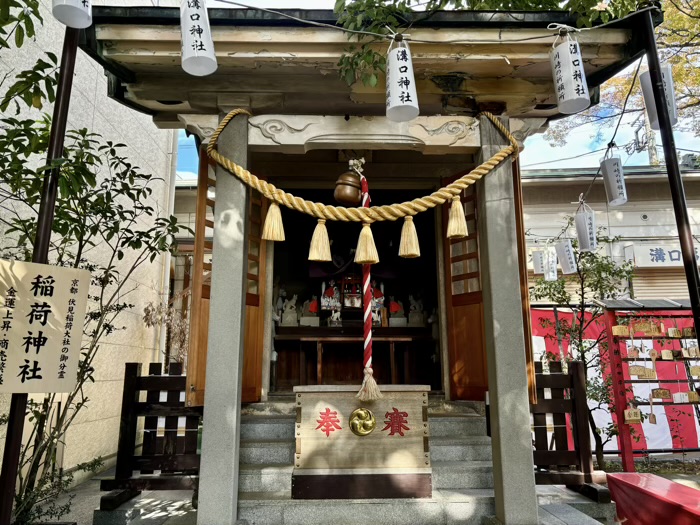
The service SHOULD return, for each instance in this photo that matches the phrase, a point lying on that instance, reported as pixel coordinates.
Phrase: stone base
(416, 319)
(398, 322)
(309, 321)
(290, 319)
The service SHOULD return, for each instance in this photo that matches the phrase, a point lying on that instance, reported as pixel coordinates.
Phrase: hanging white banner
(569, 77)
(669, 91)
(566, 256)
(538, 262)
(198, 55)
(585, 229)
(550, 264)
(614, 179)
(73, 13)
(401, 94)
(42, 313)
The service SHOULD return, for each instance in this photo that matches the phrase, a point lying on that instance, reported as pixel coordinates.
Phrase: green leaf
(19, 36)
(372, 80)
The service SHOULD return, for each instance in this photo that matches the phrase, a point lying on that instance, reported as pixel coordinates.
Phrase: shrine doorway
(312, 348)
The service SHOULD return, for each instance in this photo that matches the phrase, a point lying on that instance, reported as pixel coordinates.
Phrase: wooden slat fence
(557, 460)
(168, 459)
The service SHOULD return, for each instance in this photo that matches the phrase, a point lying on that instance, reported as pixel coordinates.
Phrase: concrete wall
(94, 432)
(647, 215)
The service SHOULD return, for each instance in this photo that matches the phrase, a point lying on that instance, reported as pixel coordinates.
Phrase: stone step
(265, 478)
(266, 427)
(468, 448)
(465, 508)
(271, 451)
(456, 426)
(462, 474)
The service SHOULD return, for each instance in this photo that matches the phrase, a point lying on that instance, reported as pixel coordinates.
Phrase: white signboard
(660, 254)
(42, 312)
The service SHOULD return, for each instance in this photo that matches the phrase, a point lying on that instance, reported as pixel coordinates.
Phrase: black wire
(565, 158)
(611, 144)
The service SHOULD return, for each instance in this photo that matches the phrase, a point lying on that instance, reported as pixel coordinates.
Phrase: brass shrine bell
(348, 190)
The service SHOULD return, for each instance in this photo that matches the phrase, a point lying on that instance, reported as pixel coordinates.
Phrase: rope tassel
(320, 249)
(409, 247)
(457, 223)
(366, 252)
(369, 391)
(273, 230)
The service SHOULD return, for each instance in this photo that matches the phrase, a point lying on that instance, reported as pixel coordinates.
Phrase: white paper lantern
(566, 256)
(614, 179)
(198, 55)
(667, 76)
(73, 13)
(401, 94)
(585, 228)
(550, 264)
(538, 262)
(569, 77)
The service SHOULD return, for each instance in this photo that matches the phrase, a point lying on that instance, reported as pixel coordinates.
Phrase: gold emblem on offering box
(661, 393)
(695, 371)
(362, 422)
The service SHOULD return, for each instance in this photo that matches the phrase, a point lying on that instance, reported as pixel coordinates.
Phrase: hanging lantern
(73, 13)
(550, 264)
(614, 179)
(585, 228)
(198, 56)
(569, 77)
(538, 262)
(667, 77)
(566, 256)
(401, 94)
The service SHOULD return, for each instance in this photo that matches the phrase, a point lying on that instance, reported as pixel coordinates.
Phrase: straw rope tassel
(457, 223)
(389, 212)
(369, 391)
(409, 247)
(366, 252)
(320, 249)
(273, 230)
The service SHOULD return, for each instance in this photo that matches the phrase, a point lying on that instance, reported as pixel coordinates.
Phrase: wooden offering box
(348, 449)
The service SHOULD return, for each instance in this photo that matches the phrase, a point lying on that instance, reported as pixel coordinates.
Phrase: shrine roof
(283, 66)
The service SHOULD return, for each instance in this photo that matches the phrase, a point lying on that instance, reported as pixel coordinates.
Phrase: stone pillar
(514, 479)
(218, 478)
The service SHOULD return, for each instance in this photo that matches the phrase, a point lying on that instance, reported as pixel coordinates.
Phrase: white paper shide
(569, 77)
(649, 101)
(198, 55)
(401, 94)
(42, 313)
(566, 256)
(73, 13)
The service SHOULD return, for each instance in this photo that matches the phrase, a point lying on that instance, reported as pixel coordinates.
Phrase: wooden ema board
(333, 462)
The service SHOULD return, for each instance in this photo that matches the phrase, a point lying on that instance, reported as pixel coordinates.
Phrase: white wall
(95, 431)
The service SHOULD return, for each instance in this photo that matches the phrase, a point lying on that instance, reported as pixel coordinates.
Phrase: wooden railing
(168, 458)
(557, 461)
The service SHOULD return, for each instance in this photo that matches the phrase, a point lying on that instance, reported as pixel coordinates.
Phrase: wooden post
(197, 353)
(582, 436)
(127, 423)
(524, 287)
(619, 394)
